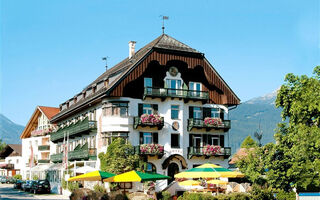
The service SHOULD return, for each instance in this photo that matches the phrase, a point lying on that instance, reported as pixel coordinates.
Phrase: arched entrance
(173, 169)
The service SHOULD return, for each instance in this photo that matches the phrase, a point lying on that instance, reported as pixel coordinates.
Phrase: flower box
(44, 132)
(212, 121)
(211, 150)
(152, 119)
(151, 149)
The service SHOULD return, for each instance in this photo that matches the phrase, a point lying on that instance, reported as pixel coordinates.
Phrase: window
(173, 86)
(116, 109)
(148, 138)
(92, 142)
(174, 112)
(151, 168)
(147, 109)
(195, 88)
(148, 85)
(108, 137)
(197, 113)
(215, 112)
(214, 140)
(175, 141)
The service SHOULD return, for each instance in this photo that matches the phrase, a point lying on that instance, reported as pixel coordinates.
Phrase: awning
(40, 167)
(54, 167)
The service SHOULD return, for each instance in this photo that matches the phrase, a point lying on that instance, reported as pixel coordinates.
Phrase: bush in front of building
(35, 177)
(18, 176)
(84, 193)
(99, 188)
(283, 195)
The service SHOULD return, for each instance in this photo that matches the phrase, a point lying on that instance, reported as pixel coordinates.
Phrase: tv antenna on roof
(163, 18)
(106, 59)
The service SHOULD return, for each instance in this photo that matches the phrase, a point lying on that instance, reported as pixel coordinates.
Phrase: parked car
(40, 186)
(11, 180)
(26, 186)
(18, 184)
(4, 179)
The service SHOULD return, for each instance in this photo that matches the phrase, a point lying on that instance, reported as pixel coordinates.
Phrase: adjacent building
(166, 99)
(10, 160)
(36, 144)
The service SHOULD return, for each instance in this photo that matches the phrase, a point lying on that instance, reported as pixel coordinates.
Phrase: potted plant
(153, 119)
(213, 121)
(151, 149)
(210, 150)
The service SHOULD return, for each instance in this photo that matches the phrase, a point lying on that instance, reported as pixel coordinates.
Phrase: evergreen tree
(248, 142)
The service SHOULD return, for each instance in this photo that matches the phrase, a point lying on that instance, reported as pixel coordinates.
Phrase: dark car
(41, 186)
(11, 180)
(18, 184)
(26, 186)
(4, 179)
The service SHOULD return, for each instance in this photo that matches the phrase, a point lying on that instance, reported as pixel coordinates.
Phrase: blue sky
(50, 50)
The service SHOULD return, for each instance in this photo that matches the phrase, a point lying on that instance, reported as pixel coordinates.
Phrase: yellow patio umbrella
(208, 171)
(92, 176)
(136, 176)
(217, 182)
(189, 183)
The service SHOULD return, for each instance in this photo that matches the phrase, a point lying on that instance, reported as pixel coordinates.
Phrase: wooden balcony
(200, 151)
(81, 127)
(6, 166)
(185, 94)
(44, 148)
(199, 124)
(79, 153)
(43, 161)
(140, 151)
(138, 123)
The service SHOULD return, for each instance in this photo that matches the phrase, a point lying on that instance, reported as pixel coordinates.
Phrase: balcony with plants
(185, 93)
(149, 120)
(209, 123)
(150, 150)
(80, 127)
(81, 152)
(208, 151)
(43, 161)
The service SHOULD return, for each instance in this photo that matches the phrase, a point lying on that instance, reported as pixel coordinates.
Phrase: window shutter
(155, 138)
(140, 109)
(204, 139)
(190, 112)
(155, 108)
(222, 114)
(222, 140)
(141, 138)
(206, 112)
(190, 140)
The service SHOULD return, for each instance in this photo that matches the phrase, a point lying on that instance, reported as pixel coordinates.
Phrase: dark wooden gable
(192, 66)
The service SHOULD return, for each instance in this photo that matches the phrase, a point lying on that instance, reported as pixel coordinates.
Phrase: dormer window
(173, 85)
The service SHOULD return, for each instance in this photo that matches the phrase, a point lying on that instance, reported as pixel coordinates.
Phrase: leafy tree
(2, 144)
(295, 158)
(119, 157)
(248, 142)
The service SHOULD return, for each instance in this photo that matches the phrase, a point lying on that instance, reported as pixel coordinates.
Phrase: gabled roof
(11, 150)
(120, 70)
(49, 112)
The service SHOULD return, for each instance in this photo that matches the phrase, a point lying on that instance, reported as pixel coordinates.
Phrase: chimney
(132, 44)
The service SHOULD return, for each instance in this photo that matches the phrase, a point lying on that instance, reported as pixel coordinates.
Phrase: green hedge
(199, 196)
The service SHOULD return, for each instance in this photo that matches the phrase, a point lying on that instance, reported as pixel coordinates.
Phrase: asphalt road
(8, 193)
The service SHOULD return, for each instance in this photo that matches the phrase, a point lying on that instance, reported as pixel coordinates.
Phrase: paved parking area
(8, 193)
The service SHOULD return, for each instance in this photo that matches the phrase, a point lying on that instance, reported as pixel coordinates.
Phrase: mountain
(245, 120)
(10, 131)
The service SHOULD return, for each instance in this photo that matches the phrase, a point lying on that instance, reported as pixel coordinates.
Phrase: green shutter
(222, 140)
(141, 138)
(222, 114)
(155, 108)
(155, 138)
(204, 139)
(140, 109)
(190, 112)
(206, 112)
(190, 140)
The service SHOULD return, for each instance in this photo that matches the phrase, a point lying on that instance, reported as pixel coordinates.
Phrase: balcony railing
(74, 129)
(44, 148)
(6, 166)
(56, 157)
(79, 153)
(138, 122)
(179, 93)
(43, 161)
(201, 151)
(156, 150)
(199, 123)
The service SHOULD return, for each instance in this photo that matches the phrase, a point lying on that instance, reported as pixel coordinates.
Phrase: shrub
(35, 177)
(282, 195)
(72, 186)
(17, 176)
(99, 188)
(258, 192)
(166, 195)
(121, 197)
